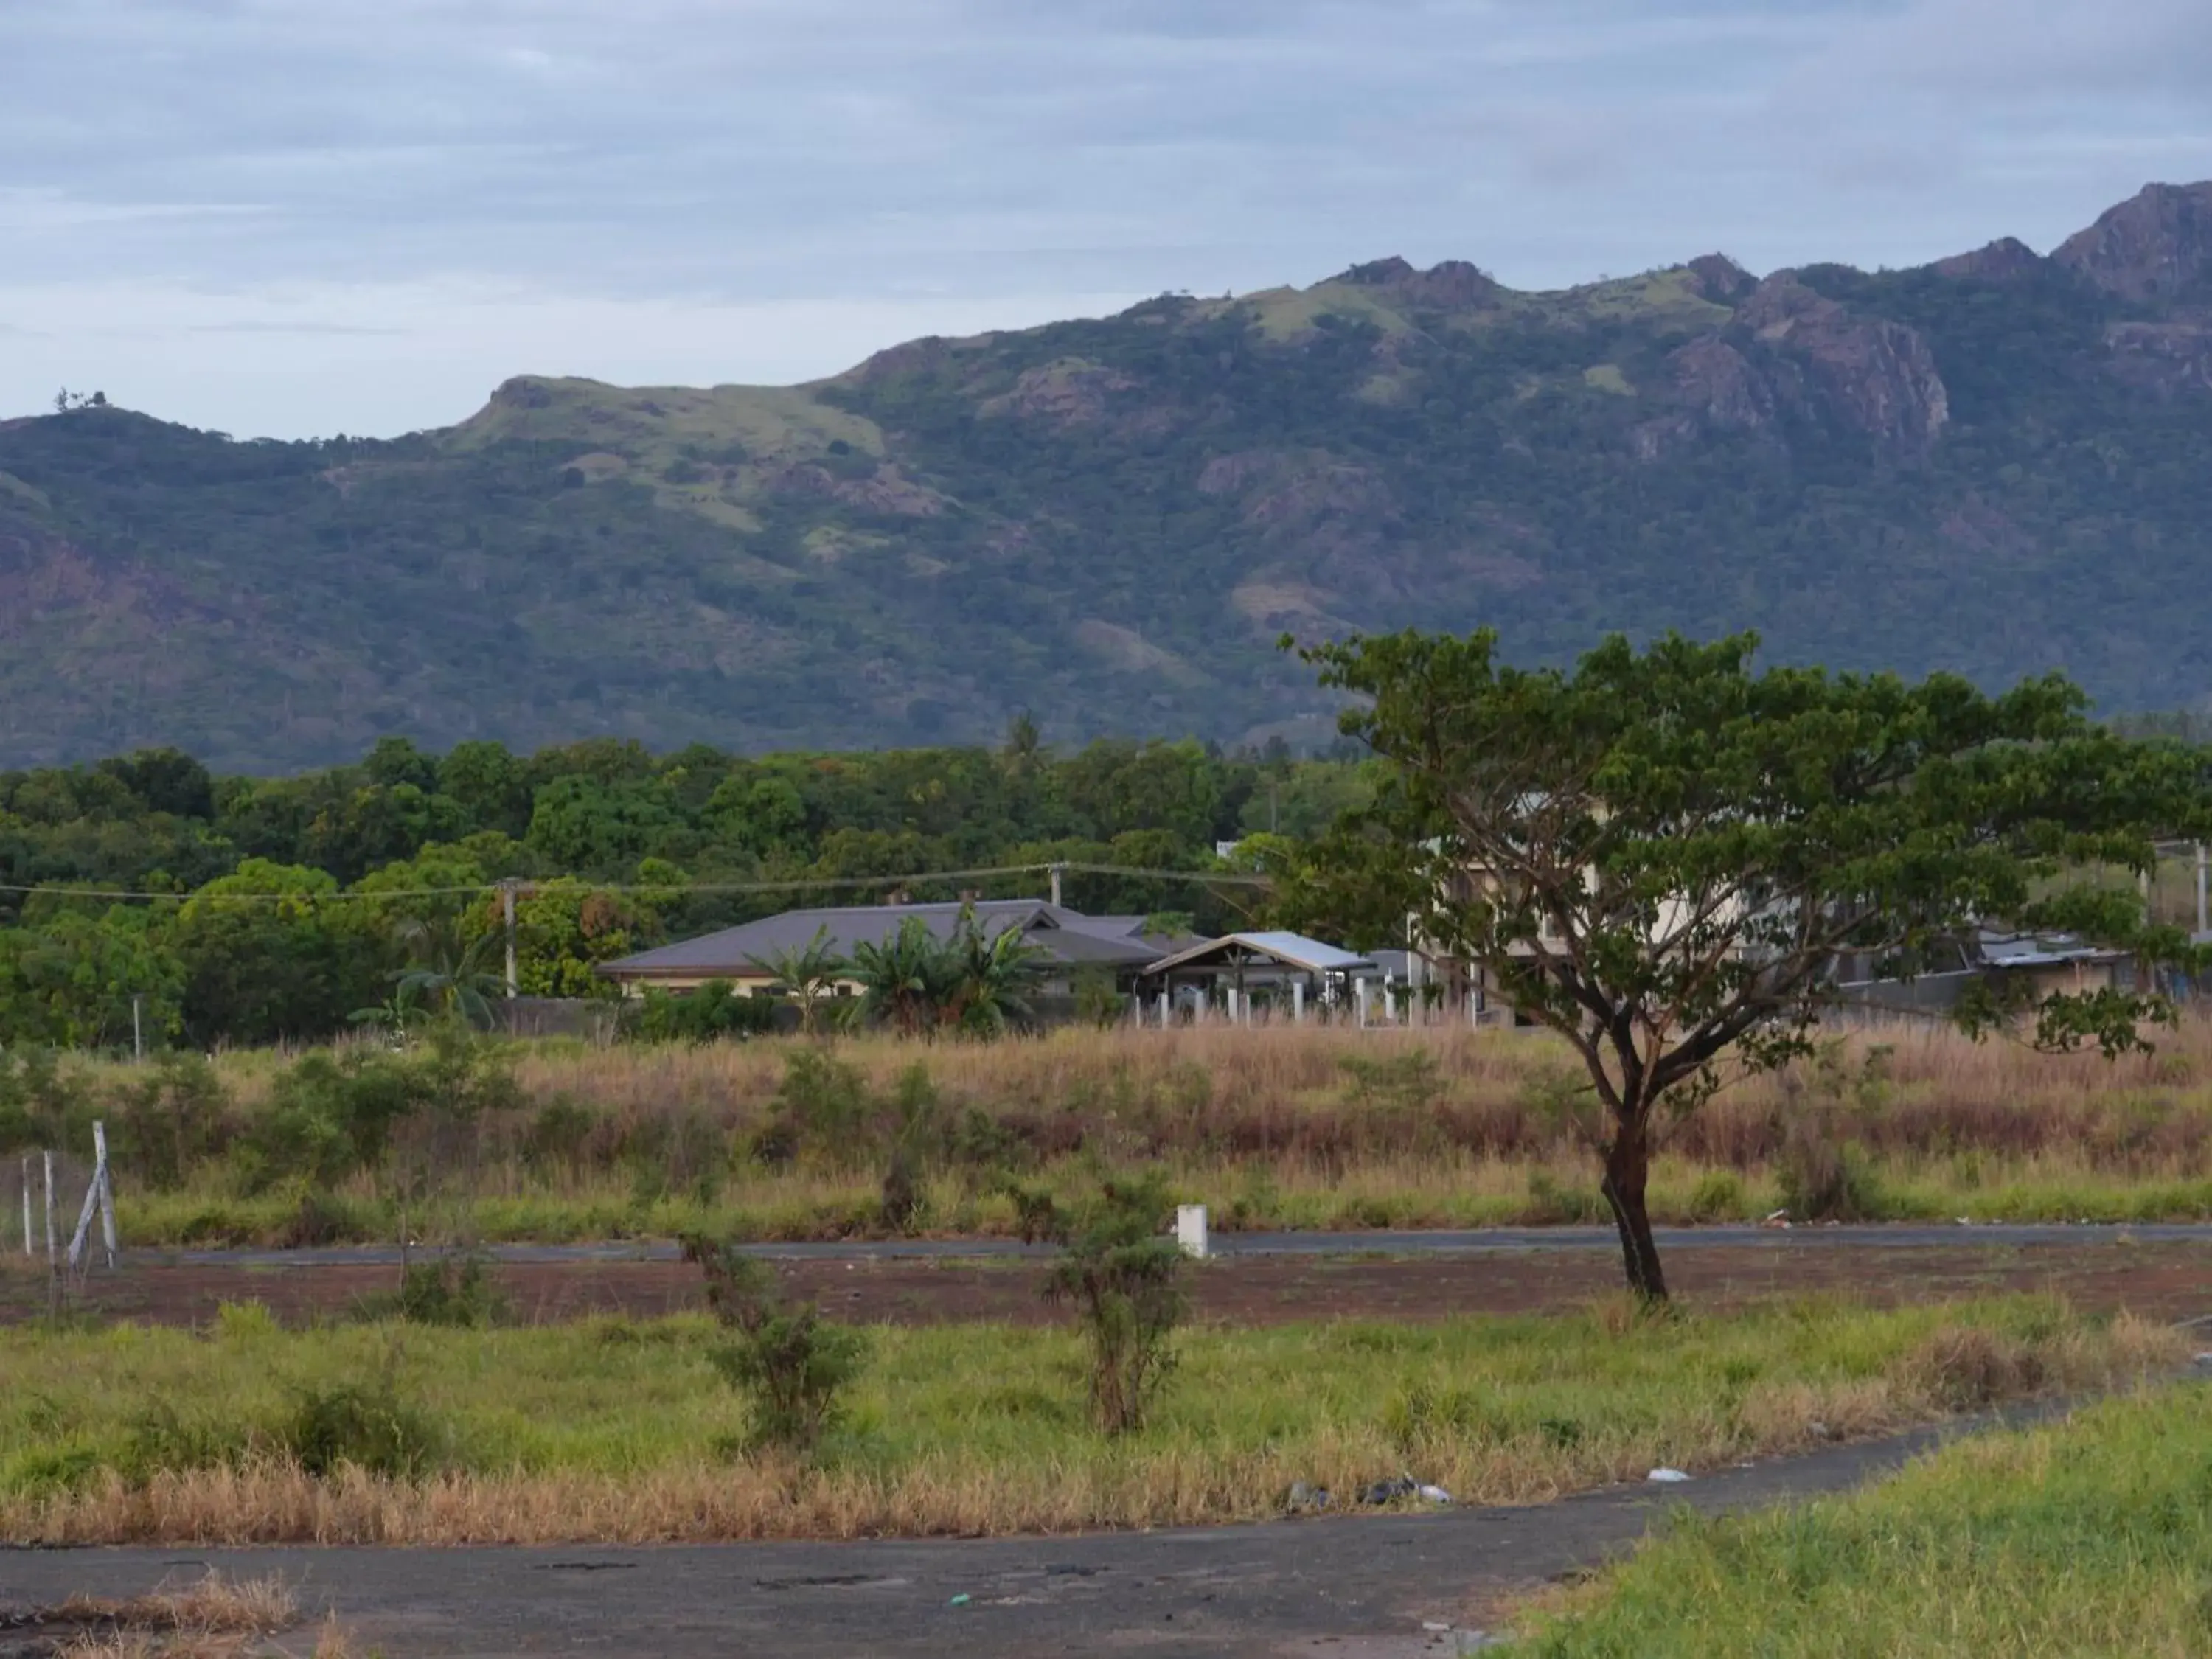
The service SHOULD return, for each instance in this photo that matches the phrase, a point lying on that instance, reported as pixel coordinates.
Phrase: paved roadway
(1478, 1242)
(1385, 1586)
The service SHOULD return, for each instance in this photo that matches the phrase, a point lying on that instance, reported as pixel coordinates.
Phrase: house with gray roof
(1067, 941)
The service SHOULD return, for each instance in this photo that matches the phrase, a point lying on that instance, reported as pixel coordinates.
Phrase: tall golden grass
(1204, 1082)
(1281, 1126)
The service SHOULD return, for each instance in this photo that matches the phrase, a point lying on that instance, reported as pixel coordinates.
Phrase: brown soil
(2158, 1281)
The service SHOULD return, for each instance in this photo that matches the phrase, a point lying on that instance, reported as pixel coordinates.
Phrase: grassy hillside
(2002, 463)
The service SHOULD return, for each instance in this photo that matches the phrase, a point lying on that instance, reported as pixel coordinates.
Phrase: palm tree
(905, 979)
(992, 978)
(810, 971)
(447, 971)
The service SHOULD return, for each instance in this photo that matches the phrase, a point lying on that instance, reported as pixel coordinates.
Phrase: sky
(302, 217)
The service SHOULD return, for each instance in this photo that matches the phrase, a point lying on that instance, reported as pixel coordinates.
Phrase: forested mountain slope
(2001, 464)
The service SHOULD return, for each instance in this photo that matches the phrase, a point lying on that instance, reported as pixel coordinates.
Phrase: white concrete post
(1190, 1229)
(1167, 1008)
(1298, 1002)
(1390, 1003)
(1359, 1000)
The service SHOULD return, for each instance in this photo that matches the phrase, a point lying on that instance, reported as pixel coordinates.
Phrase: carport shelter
(1297, 970)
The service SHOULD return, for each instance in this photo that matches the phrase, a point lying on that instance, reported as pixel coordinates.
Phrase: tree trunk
(1627, 1173)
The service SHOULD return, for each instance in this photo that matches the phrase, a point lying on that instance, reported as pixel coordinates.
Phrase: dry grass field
(1301, 1128)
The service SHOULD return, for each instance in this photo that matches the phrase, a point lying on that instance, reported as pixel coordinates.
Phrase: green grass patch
(2093, 1537)
(967, 1427)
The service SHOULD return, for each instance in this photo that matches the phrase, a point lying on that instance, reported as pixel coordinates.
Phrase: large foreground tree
(1662, 854)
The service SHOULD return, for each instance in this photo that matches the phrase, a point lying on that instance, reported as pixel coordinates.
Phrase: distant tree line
(613, 842)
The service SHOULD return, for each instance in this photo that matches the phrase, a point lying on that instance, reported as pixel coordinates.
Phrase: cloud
(906, 159)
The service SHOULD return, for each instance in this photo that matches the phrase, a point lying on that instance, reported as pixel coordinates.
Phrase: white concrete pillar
(1298, 1002)
(1359, 1000)
(1390, 1003)
(1190, 1229)
(1167, 1006)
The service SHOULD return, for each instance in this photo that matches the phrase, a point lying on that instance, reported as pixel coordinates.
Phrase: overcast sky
(299, 217)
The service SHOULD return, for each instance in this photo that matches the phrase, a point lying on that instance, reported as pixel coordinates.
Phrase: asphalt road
(1478, 1242)
(1357, 1587)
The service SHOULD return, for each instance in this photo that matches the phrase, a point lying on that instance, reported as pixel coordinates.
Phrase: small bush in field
(170, 1120)
(320, 1219)
(1551, 1204)
(38, 1099)
(1124, 1281)
(1964, 1368)
(366, 1426)
(163, 1441)
(554, 1141)
(789, 1363)
(712, 1013)
(1823, 1177)
(1718, 1196)
(822, 1107)
(446, 1292)
(1424, 1419)
(917, 1135)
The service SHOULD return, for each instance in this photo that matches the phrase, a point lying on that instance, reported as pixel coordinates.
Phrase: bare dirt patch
(2158, 1280)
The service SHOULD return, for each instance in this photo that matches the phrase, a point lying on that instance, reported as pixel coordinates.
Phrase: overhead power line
(803, 884)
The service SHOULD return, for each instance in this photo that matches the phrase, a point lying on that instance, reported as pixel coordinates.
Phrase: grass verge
(614, 1431)
(2090, 1537)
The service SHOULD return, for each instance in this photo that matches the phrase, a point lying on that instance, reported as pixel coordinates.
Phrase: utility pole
(137, 1030)
(506, 908)
(1056, 869)
(2203, 921)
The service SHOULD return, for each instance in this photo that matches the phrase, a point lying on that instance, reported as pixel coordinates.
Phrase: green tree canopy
(1661, 853)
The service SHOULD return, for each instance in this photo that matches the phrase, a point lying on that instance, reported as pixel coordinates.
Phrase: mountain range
(1999, 464)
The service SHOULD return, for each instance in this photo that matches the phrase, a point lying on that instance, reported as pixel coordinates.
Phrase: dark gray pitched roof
(1063, 935)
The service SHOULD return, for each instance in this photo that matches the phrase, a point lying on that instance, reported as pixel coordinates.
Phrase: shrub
(1125, 1282)
(1964, 1368)
(245, 1321)
(1550, 1204)
(48, 1470)
(1718, 1196)
(169, 1119)
(821, 1106)
(1823, 1176)
(917, 1139)
(556, 1138)
(37, 1100)
(326, 1117)
(321, 1219)
(713, 1012)
(161, 1441)
(366, 1426)
(1097, 1002)
(1424, 1419)
(459, 1293)
(788, 1362)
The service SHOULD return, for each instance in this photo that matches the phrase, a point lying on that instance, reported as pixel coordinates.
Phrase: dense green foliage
(382, 867)
(1997, 468)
